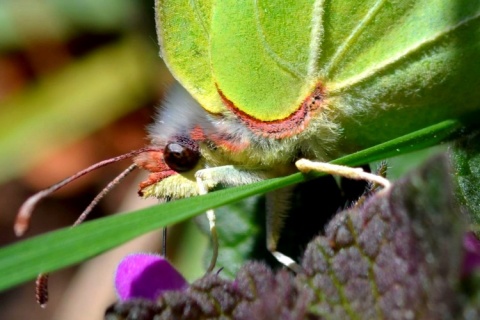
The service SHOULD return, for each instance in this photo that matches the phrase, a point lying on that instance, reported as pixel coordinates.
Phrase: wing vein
(316, 38)
(199, 16)
(402, 56)
(282, 63)
(349, 42)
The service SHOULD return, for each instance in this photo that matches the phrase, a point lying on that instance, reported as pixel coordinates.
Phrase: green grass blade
(24, 260)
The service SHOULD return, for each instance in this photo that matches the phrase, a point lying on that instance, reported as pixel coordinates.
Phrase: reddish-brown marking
(283, 128)
(219, 139)
(227, 142)
(41, 289)
(153, 161)
(198, 134)
(154, 178)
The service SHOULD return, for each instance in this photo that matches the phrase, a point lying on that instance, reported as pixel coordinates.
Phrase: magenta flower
(471, 260)
(146, 276)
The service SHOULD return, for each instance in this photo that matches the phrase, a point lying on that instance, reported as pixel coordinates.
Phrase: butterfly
(269, 88)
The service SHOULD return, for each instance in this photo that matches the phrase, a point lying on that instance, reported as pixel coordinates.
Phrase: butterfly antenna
(103, 193)
(22, 220)
(41, 285)
(41, 289)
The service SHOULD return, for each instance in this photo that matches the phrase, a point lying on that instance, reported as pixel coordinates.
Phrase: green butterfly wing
(273, 70)
(233, 46)
(183, 29)
(380, 61)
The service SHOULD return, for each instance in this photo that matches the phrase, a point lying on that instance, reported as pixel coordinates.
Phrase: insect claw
(288, 262)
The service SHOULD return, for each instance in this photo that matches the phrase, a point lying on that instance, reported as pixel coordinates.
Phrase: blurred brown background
(79, 82)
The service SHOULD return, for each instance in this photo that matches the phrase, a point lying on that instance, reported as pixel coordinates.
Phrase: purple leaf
(398, 255)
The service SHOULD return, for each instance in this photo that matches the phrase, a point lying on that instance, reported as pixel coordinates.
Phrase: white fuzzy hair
(178, 114)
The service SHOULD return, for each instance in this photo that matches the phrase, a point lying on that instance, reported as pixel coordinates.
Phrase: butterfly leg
(276, 209)
(306, 166)
(213, 229)
(208, 179)
(277, 206)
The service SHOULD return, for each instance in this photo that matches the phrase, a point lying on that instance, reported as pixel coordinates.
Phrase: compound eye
(180, 158)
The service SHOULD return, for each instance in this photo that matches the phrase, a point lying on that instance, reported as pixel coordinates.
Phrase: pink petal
(142, 275)
(471, 260)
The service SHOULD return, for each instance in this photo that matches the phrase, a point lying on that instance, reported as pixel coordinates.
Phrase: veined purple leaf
(398, 255)
(466, 158)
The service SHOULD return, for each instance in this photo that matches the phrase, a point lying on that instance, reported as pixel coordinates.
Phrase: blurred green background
(79, 82)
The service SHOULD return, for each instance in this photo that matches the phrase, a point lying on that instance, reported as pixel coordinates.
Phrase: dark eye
(180, 158)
